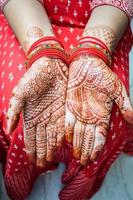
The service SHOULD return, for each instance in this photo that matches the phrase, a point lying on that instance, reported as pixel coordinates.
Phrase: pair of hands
(75, 105)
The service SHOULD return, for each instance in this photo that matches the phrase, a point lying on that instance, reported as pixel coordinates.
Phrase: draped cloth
(68, 19)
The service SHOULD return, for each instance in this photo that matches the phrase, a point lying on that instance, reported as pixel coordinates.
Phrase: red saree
(68, 20)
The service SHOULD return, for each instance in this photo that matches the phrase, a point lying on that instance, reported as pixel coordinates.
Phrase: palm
(92, 87)
(41, 95)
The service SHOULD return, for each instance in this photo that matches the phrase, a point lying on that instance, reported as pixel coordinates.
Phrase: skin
(28, 28)
(92, 89)
(86, 127)
(40, 92)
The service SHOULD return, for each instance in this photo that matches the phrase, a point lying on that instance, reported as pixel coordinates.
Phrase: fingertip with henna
(83, 161)
(31, 157)
(94, 156)
(76, 153)
(12, 123)
(41, 163)
(50, 155)
(69, 133)
(128, 116)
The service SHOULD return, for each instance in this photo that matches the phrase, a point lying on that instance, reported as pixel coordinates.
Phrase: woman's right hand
(40, 94)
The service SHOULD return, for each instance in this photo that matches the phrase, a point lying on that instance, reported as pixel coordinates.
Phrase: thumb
(125, 106)
(15, 107)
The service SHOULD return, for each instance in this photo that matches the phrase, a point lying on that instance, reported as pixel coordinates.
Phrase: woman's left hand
(92, 89)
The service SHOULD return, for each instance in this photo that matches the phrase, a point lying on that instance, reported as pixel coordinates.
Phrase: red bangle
(95, 46)
(35, 44)
(48, 53)
(90, 51)
(95, 41)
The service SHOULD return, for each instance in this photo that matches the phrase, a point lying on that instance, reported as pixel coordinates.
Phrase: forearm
(28, 20)
(108, 24)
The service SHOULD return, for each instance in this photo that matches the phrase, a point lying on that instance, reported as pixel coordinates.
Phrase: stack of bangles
(92, 46)
(48, 47)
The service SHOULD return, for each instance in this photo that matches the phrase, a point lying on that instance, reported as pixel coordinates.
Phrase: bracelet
(45, 46)
(48, 46)
(96, 41)
(99, 49)
(92, 46)
(51, 52)
(42, 40)
(91, 51)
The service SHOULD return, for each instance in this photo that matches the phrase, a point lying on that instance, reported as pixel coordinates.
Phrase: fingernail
(41, 163)
(31, 158)
(76, 153)
(83, 161)
(16, 117)
(50, 156)
(68, 138)
(94, 156)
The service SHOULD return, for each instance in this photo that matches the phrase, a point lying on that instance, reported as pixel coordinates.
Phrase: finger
(78, 138)
(16, 105)
(12, 122)
(69, 126)
(87, 145)
(60, 130)
(125, 105)
(41, 146)
(100, 139)
(30, 142)
(51, 141)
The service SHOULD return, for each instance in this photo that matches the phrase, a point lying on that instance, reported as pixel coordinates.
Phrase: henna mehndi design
(92, 88)
(41, 95)
(104, 33)
(33, 34)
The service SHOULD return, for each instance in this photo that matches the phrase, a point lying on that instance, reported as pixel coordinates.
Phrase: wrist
(98, 42)
(103, 33)
(35, 34)
(48, 47)
(93, 47)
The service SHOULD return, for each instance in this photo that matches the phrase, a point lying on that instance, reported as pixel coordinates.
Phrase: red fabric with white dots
(68, 19)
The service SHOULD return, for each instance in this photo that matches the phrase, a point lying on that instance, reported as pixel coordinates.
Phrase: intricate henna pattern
(41, 95)
(90, 84)
(92, 87)
(33, 34)
(87, 144)
(78, 139)
(104, 33)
